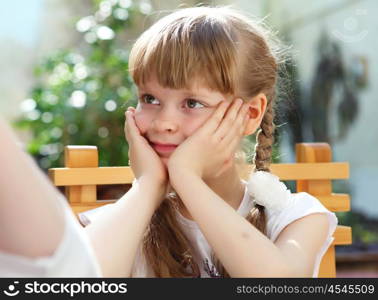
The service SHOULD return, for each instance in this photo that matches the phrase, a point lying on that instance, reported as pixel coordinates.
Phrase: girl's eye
(146, 98)
(192, 103)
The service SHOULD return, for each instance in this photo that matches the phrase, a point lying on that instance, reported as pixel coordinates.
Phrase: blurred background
(63, 81)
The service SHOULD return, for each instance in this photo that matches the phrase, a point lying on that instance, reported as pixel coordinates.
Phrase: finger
(127, 134)
(229, 119)
(233, 140)
(235, 136)
(215, 119)
(131, 129)
(242, 120)
(129, 109)
(231, 147)
(132, 109)
(237, 126)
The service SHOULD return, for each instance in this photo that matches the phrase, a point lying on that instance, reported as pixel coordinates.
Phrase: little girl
(206, 78)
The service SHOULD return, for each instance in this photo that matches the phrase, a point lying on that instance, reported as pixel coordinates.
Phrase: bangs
(182, 50)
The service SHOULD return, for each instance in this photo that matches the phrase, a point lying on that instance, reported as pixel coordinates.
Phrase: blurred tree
(81, 94)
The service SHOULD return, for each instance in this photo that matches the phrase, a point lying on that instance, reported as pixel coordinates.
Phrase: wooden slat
(311, 171)
(78, 208)
(121, 175)
(343, 235)
(88, 176)
(304, 171)
(335, 202)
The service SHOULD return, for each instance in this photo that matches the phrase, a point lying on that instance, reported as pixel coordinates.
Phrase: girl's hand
(210, 150)
(144, 161)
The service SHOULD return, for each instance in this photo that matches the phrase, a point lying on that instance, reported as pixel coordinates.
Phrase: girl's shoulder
(300, 205)
(282, 207)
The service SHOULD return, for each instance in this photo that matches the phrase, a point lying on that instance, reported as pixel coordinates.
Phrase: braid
(264, 141)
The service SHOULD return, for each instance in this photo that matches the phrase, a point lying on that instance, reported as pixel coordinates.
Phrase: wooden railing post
(81, 157)
(312, 153)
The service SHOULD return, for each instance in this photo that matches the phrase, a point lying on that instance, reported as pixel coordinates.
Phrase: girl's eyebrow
(185, 94)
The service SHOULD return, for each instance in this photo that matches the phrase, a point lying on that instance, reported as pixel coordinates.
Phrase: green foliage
(364, 230)
(80, 94)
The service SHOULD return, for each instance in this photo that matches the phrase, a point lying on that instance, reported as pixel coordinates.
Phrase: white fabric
(267, 190)
(303, 204)
(74, 256)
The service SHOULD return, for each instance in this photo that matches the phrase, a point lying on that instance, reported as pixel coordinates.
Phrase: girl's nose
(166, 123)
(165, 126)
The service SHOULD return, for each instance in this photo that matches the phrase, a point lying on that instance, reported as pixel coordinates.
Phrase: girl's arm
(117, 233)
(243, 249)
(28, 203)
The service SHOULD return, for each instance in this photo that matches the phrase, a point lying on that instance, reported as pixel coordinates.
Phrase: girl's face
(166, 117)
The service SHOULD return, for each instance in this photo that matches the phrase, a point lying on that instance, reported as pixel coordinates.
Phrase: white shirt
(74, 256)
(304, 204)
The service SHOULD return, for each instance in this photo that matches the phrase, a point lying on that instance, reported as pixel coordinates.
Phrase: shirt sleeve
(303, 204)
(74, 256)
(89, 216)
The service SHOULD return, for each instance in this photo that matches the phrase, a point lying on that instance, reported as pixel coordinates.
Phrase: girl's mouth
(163, 148)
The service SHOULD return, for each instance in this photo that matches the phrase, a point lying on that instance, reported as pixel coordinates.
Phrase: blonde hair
(230, 53)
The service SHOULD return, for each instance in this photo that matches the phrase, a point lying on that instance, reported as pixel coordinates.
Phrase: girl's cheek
(195, 123)
(142, 120)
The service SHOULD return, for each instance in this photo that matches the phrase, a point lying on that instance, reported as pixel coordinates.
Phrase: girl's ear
(257, 107)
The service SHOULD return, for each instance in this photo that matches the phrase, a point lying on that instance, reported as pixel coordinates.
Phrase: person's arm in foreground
(39, 234)
(28, 203)
(117, 233)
